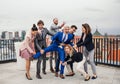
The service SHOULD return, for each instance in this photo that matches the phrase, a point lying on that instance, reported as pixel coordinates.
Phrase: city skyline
(103, 15)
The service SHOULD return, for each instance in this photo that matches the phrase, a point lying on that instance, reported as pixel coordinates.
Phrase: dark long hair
(87, 28)
(34, 28)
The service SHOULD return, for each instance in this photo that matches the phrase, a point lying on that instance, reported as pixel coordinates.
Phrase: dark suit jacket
(87, 42)
(40, 42)
(57, 38)
(76, 57)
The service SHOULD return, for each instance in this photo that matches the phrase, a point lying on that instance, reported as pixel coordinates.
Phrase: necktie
(64, 38)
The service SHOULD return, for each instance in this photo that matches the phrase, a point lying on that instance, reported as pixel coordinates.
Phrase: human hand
(62, 24)
(62, 44)
(33, 53)
(61, 62)
(42, 51)
(65, 63)
(75, 46)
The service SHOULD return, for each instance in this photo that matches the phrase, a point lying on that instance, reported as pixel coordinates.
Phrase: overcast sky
(21, 14)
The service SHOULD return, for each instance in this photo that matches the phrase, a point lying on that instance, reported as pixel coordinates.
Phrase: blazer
(54, 28)
(27, 42)
(40, 42)
(87, 42)
(57, 38)
(76, 57)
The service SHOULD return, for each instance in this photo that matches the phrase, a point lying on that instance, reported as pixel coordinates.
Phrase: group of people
(62, 47)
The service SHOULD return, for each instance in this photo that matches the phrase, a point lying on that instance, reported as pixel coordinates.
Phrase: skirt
(25, 54)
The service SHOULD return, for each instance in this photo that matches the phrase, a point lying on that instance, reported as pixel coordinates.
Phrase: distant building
(23, 33)
(10, 35)
(107, 46)
(118, 36)
(3, 34)
(7, 35)
(16, 34)
(97, 34)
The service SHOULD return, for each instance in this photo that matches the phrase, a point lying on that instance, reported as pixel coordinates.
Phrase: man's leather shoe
(52, 70)
(70, 74)
(56, 74)
(61, 76)
(44, 72)
(38, 76)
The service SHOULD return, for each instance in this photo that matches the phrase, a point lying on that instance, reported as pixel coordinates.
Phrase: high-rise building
(7, 35)
(3, 34)
(10, 35)
(16, 34)
(23, 33)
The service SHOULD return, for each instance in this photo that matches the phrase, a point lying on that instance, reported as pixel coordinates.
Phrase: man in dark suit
(40, 43)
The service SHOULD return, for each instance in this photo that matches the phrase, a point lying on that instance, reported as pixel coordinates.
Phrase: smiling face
(40, 26)
(72, 30)
(66, 29)
(55, 21)
(67, 50)
(34, 33)
(83, 30)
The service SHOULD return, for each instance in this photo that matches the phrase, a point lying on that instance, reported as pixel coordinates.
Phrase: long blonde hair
(71, 49)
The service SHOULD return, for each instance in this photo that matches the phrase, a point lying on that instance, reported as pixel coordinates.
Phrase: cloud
(22, 14)
(117, 1)
(94, 10)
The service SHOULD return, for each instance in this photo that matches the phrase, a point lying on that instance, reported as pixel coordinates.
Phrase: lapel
(68, 38)
(61, 36)
(43, 31)
(82, 37)
(87, 36)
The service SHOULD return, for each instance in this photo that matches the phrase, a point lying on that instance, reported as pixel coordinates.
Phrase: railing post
(7, 54)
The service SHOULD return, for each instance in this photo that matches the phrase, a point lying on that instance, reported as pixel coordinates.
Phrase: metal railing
(7, 51)
(107, 51)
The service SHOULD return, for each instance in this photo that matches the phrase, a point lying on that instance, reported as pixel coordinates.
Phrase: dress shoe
(94, 77)
(61, 76)
(44, 72)
(56, 74)
(29, 78)
(38, 76)
(52, 70)
(70, 74)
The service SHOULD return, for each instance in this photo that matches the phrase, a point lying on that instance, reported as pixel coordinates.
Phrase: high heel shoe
(94, 77)
(28, 77)
(87, 78)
